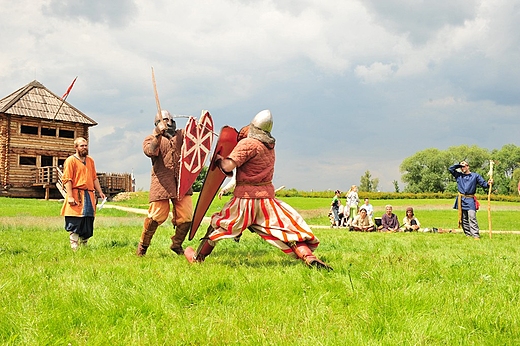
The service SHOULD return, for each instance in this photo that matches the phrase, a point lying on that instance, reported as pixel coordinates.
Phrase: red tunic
(165, 165)
(255, 169)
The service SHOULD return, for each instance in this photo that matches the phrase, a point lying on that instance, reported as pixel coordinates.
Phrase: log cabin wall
(4, 148)
(37, 129)
(29, 143)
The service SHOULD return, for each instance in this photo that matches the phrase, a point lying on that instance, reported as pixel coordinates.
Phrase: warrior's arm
(226, 165)
(453, 170)
(482, 182)
(151, 145)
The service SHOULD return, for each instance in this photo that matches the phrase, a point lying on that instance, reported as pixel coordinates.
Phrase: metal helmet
(263, 120)
(164, 115)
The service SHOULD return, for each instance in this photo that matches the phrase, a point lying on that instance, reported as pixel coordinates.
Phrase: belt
(242, 183)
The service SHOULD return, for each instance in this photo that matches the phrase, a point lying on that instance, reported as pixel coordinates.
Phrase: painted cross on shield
(198, 138)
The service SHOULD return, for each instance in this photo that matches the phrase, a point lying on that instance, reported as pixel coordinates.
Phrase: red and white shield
(198, 137)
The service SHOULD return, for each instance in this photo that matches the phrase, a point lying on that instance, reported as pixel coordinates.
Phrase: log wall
(45, 143)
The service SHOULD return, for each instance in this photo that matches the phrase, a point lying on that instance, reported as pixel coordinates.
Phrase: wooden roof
(36, 101)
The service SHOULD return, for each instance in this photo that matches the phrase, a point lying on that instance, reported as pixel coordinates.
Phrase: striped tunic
(253, 205)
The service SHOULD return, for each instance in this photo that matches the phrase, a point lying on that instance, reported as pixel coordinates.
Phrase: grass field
(386, 289)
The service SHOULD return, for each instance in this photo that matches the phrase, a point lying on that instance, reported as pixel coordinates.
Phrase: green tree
(197, 185)
(513, 185)
(427, 170)
(507, 161)
(367, 184)
(396, 185)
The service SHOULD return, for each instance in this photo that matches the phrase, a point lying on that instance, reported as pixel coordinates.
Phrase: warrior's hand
(219, 161)
(71, 201)
(160, 129)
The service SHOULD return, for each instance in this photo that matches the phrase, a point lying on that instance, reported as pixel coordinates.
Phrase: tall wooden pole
(491, 163)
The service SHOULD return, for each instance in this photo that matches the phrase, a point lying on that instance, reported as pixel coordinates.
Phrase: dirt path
(207, 219)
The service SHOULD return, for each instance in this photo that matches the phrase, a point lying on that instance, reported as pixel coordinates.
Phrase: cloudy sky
(352, 85)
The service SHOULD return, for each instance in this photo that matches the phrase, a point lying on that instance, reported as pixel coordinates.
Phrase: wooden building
(37, 132)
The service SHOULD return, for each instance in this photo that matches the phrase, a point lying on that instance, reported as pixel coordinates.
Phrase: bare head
(81, 146)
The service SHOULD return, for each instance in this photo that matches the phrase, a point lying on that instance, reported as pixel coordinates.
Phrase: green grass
(386, 289)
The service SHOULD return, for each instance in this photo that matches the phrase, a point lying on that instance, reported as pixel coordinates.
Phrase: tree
(514, 181)
(197, 185)
(396, 186)
(507, 161)
(427, 170)
(367, 184)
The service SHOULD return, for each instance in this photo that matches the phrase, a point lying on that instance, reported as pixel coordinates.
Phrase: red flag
(69, 89)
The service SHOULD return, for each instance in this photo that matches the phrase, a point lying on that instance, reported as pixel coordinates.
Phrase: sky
(353, 86)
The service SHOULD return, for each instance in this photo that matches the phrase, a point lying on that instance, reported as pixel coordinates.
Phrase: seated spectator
(389, 222)
(410, 222)
(369, 208)
(362, 222)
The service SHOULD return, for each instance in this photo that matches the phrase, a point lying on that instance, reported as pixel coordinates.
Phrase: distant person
(352, 203)
(362, 223)
(389, 222)
(341, 214)
(80, 181)
(519, 187)
(369, 208)
(410, 222)
(334, 205)
(466, 202)
(163, 147)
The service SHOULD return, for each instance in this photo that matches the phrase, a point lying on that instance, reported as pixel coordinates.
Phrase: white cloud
(340, 76)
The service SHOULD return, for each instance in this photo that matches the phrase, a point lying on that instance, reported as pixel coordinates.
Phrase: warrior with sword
(177, 157)
(163, 147)
(254, 205)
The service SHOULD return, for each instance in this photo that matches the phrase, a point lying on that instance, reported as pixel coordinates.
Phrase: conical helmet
(263, 120)
(164, 115)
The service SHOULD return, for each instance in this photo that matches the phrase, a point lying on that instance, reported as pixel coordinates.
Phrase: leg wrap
(180, 234)
(204, 249)
(74, 240)
(150, 226)
(305, 254)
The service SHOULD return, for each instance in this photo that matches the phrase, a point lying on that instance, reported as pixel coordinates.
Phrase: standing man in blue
(466, 202)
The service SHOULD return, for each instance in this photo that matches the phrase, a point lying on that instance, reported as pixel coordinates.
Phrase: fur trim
(261, 135)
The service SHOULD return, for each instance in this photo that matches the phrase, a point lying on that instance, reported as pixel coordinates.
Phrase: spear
(64, 97)
(490, 174)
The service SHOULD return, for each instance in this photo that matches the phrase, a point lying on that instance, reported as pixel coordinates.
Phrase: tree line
(427, 170)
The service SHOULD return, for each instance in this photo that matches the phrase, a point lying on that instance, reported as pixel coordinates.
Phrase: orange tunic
(82, 175)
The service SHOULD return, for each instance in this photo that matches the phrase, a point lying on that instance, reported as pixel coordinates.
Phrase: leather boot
(150, 226)
(304, 253)
(204, 249)
(180, 234)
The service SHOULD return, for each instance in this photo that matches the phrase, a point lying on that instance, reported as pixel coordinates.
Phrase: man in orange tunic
(79, 208)
(254, 205)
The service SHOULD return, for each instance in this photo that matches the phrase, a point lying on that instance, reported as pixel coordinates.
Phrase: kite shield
(214, 178)
(198, 138)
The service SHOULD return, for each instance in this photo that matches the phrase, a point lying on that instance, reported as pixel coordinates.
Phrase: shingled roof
(35, 100)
